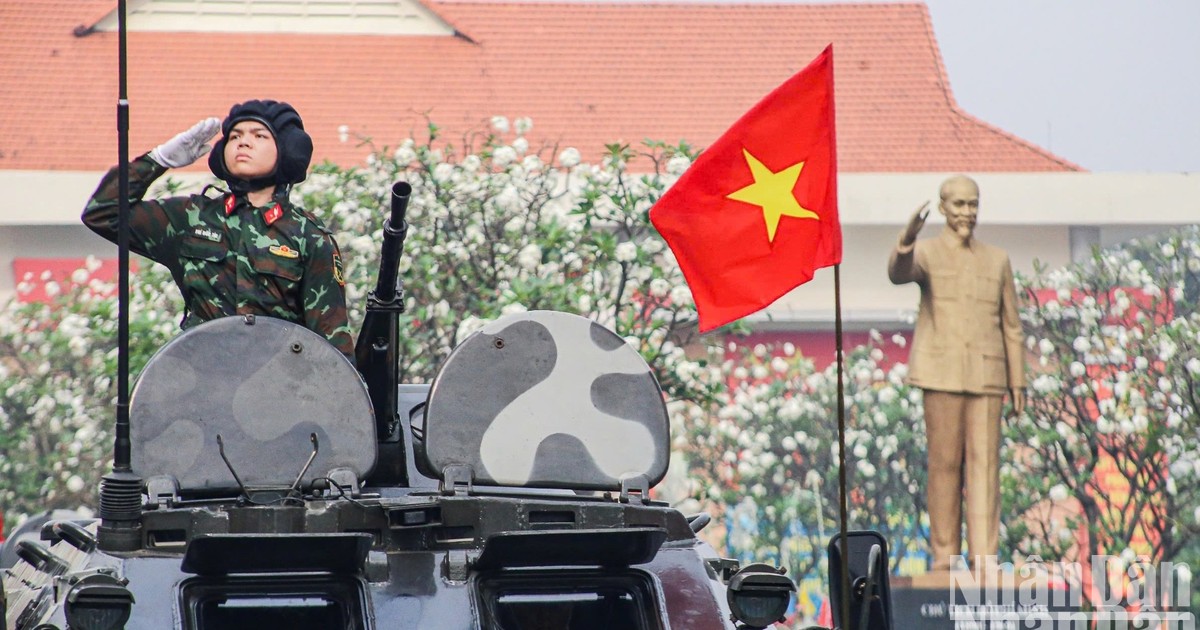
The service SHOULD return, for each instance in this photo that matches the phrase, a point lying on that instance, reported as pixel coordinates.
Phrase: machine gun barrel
(376, 352)
(395, 229)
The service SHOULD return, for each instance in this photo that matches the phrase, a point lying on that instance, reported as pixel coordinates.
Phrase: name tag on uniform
(207, 233)
(284, 251)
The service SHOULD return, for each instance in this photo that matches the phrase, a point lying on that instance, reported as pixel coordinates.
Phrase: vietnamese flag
(756, 214)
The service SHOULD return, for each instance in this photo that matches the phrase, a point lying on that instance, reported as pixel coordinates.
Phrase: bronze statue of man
(966, 355)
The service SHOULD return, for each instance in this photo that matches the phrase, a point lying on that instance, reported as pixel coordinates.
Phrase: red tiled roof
(586, 73)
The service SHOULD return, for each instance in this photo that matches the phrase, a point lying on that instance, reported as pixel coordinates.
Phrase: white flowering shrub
(57, 383)
(1107, 457)
(767, 456)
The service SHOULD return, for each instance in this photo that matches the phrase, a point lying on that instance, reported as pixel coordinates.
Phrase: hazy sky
(1112, 85)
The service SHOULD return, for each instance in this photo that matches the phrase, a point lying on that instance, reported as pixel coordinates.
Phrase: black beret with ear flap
(293, 144)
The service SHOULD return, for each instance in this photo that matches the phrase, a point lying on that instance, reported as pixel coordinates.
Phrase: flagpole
(843, 517)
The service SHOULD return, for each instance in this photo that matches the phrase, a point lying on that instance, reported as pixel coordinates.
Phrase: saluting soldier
(967, 353)
(246, 251)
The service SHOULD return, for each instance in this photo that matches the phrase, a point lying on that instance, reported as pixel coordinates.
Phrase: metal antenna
(221, 449)
(312, 437)
(121, 454)
(121, 490)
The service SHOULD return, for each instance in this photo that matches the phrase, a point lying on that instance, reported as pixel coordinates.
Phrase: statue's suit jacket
(968, 335)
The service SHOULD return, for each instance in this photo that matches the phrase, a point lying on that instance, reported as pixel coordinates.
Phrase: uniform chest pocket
(205, 278)
(987, 289)
(280, 262)
(202, 250)
(944, 284)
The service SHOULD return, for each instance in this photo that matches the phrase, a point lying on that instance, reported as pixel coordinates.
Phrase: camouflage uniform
(229, 258)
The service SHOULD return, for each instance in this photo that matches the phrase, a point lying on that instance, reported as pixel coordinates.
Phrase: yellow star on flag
(773, 191)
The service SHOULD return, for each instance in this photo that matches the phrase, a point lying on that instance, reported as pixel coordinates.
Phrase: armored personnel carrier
(271, 483)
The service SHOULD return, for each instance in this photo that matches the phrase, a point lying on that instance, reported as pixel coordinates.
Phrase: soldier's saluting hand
(187, 146)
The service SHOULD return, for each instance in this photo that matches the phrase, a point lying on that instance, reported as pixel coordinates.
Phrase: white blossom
(1046, 384)
(503, 156)
(75, 483)
(866, 468)
(659, 287)
(443, 171)
(678, 164)
(500, 124)
(569, 157)
(513, 309)
(404, 154)
(779, 365)
(468, 326)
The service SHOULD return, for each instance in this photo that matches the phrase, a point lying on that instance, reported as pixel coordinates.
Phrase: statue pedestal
(992, 599)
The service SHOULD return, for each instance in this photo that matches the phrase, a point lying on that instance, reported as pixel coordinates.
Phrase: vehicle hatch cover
(547, 399)
(264, 385)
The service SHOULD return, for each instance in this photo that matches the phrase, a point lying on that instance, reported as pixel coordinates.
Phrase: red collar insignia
(270, 216)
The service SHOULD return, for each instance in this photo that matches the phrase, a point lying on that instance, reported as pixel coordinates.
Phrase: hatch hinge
(457, 479)
(632, 485)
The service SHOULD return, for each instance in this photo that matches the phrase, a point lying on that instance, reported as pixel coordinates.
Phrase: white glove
(187, 147)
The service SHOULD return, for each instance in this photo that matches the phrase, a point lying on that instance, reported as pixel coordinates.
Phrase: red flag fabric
(756, 214)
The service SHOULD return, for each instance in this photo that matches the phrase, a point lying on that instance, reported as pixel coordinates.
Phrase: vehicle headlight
(759, 595)
(98, 602)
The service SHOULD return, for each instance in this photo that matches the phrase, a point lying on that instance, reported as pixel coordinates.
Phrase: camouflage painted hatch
(264, 385)
(547, 399)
